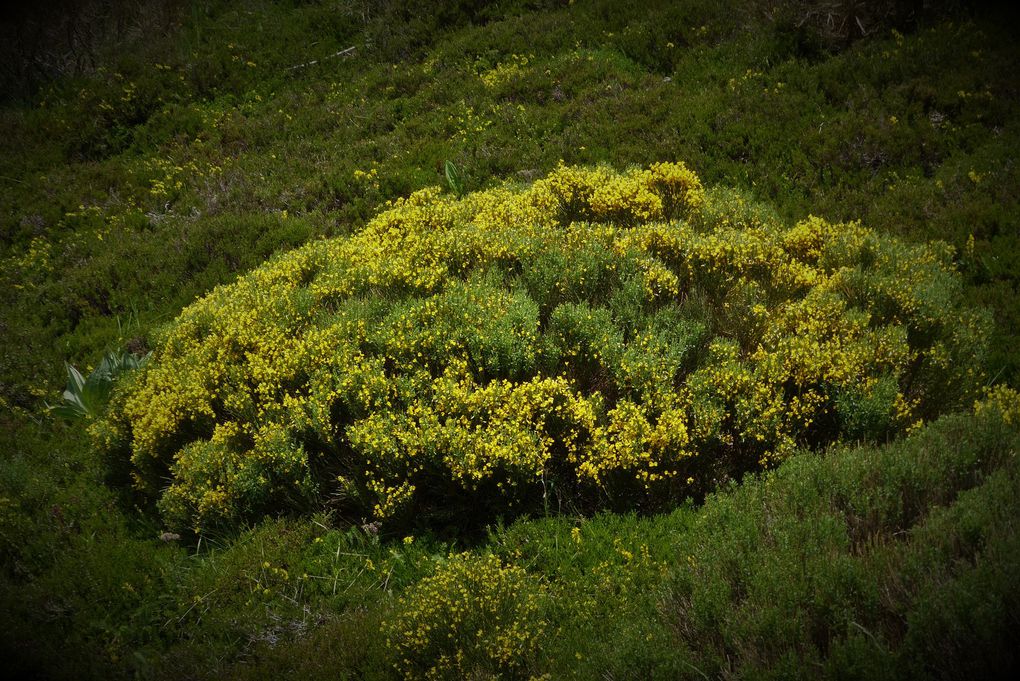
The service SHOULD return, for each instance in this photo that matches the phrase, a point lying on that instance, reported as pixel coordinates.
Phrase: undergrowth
(151, 153)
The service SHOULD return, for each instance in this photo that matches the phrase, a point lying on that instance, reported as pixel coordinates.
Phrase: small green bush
(474, 618)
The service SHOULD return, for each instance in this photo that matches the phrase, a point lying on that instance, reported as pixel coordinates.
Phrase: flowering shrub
(474, 618)
(1002, 402)
(628, 338)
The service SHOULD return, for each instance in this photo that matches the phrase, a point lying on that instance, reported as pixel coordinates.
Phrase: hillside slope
(179, 146)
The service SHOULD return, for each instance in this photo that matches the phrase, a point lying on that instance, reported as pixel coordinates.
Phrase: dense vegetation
(577, 410)
(596, 333)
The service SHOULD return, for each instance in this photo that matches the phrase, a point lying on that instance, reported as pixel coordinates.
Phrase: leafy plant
(85, 397)
(454, 178)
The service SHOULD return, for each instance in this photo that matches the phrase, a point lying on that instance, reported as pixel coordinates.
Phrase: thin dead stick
(341, 53)
(196, 602)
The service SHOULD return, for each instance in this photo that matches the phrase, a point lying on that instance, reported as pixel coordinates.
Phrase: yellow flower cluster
(663, 191)
(506, 72)
(169, 178)
(1002, 401)
(474, 618)
(595, 329)
(33, 262)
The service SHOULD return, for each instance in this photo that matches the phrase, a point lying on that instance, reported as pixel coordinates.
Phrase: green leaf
(75, 381)
(73, 398)
(453, 178)
(96, 391)
(68, 410)
(87, 396)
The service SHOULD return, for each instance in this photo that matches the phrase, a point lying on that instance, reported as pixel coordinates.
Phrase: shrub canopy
(608, 339)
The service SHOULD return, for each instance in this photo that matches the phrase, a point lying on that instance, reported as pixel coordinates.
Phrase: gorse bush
(615, 339)
(474, 618)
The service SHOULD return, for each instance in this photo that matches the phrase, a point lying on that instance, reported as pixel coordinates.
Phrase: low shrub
(622, 339)
(871, 562)
(474, 618)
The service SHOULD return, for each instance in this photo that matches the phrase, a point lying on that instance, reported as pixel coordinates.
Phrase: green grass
(129, 190)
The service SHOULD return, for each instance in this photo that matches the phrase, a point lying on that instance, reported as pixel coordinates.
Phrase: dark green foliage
(453, 178)
(867, 416)
(879, 563)
(86, 397)
(832, 552)
(887, 562)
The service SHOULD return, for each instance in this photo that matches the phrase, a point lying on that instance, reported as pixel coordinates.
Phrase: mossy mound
(597, 338)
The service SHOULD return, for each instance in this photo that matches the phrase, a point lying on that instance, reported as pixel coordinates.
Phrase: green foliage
(894, 560)
(807, 569)
(204, 136)
(474, 618)
(181, 148)
(86, 397)
(453, 178)
(466, 354)
(862, 561)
